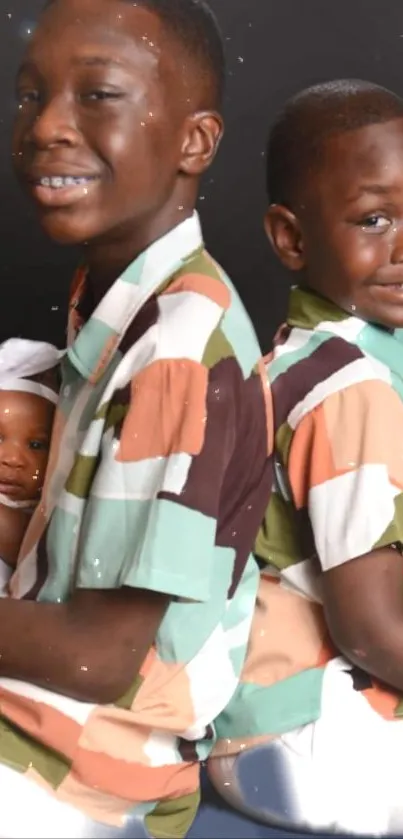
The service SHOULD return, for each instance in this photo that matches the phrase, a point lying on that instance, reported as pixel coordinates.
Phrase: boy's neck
(107, 260)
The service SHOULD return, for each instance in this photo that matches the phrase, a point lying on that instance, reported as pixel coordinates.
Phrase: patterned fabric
(306, 779)
(158, 477)
(337, 387)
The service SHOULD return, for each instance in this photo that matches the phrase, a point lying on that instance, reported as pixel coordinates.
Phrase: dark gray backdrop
(274, 47)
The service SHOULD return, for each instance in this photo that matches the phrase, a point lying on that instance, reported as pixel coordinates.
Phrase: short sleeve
(151, 517)
(345, 469)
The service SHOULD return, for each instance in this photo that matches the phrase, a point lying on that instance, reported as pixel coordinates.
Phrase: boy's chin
(63, 231)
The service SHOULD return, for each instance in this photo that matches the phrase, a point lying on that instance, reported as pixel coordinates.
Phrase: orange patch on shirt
(135, 781)
(41, 721)
(287, 635)
(363, 423)
(311, 458)
(98, 805)
(209, 287)
(167, 413)
(382, 700)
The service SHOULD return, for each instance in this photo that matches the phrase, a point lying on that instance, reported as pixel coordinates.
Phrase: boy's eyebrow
(85, 60)
(373, 189)
(93, 60)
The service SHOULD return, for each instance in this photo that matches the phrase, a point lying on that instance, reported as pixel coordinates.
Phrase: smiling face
(108, 140)
(347, 238)
(25, 430)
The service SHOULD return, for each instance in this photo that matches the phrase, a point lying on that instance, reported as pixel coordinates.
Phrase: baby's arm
(13, 524)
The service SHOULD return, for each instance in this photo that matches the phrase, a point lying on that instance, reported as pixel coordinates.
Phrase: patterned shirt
(337, 388)
(158, 477)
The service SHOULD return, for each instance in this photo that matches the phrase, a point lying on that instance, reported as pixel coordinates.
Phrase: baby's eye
(39, 445)
(375, 223)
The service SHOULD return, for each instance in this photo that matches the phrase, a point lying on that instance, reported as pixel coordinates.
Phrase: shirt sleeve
(345, 468)
(151, 517)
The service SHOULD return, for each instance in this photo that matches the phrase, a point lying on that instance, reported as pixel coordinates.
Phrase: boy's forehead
(130, 29)
(362, 155)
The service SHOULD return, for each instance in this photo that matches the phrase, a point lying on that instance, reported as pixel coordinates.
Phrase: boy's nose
(54, 125)
(397, 253)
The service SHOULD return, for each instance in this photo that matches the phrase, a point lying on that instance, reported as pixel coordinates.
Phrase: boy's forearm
(363, 602)
(38, 644)
(82, 648)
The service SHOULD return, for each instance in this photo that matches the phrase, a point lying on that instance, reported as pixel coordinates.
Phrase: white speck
(84, 668)
(240, 59)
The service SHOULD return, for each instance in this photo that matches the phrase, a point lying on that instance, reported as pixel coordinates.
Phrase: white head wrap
(21, 359)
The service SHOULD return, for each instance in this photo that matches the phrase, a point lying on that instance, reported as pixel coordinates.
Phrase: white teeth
(60, 182)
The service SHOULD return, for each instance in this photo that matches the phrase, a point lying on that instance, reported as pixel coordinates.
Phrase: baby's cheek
(38, 469)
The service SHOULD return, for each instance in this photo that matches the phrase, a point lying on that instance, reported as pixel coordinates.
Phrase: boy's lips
(61, 190)
(390, 292)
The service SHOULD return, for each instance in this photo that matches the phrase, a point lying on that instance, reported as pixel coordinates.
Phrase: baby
(28, 394)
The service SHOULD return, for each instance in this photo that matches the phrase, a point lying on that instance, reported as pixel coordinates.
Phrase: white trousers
(343, 773)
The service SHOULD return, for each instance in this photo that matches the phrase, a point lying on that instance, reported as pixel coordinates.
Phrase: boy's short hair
(298, 136)
(195, 26)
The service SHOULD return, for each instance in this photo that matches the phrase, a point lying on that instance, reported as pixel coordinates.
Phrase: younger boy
(325, 666)
(135, 579)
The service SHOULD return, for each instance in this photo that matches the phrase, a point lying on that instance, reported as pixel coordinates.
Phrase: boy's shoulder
(309, 366)
(200, 303)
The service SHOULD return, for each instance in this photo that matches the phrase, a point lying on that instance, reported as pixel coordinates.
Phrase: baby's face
(25, 430)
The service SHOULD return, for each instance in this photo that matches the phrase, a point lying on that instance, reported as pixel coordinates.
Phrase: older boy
(135, 584)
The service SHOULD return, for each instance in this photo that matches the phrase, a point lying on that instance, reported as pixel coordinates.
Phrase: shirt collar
(92, 343)
(306, 309)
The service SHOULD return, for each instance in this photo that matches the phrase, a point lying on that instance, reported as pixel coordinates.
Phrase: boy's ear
(203, 134)
(284, 232)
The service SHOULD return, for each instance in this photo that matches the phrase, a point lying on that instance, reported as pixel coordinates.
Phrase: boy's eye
(375, 223)
(101, 95)
(38, 445)
(24, 96)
